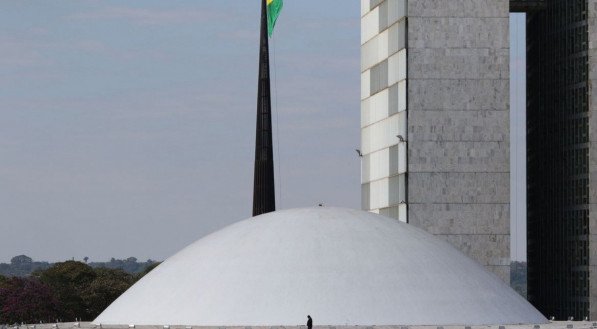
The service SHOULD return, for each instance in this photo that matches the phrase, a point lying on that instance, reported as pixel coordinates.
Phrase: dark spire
(264, 199)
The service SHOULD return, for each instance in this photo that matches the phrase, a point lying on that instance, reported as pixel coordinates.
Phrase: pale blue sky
(127, 128)
(518, 136)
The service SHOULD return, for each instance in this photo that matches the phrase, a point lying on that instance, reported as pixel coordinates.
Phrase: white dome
(343, 267)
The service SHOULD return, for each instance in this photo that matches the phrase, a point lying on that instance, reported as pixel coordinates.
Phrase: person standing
(309, 322)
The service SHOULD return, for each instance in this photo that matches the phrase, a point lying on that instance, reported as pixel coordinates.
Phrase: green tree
(3, 280)
(21, 260)
(108, 285)
(68, 280)
(21, 266)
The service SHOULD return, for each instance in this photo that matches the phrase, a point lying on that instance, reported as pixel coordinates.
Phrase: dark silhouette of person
(309, 322)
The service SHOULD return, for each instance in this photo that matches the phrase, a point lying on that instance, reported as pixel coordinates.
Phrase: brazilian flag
(274, 7)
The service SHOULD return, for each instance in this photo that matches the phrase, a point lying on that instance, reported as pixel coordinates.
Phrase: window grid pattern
(558, 159)
(383, 107)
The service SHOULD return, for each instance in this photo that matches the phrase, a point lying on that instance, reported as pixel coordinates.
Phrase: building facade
(561, 199)
(435, 134)
(383, 108)
(435, 120)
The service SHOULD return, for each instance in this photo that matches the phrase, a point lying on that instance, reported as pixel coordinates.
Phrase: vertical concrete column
(458, 184)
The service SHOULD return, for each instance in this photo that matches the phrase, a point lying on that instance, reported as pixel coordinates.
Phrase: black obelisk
(264, 199)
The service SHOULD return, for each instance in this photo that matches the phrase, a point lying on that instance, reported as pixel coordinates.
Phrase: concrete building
(435, 120)
(452, 177)
(561, 130)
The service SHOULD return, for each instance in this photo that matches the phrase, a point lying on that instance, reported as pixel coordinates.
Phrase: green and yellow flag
(274, 7)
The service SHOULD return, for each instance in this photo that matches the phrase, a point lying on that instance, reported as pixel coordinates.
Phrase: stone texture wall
(458, 125)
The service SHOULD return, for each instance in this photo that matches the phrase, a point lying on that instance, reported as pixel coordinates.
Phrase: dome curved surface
(341, 266)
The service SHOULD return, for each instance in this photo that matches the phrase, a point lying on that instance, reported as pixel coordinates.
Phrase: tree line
(23, 265)
(63, 292)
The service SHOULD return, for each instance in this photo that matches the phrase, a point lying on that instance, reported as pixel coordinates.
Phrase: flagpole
(264, 199)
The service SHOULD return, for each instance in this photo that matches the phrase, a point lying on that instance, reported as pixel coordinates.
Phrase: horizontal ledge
(456, 79)
(454, 109)
(460, 203)
(485, 234)
(410, 110)
(412, 140)
(452, 48)
(461, 17)
(458, 172)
